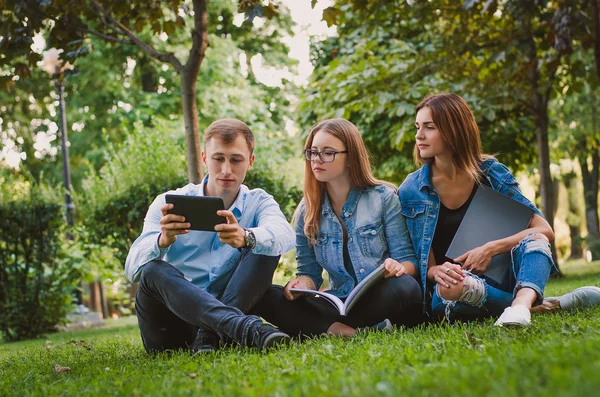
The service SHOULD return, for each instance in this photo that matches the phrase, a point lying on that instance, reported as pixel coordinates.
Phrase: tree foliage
(156, 29)
(390, 55)
(108, 94)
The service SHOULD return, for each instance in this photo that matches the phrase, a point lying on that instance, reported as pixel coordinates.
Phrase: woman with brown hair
(348, 224)
(434, 201)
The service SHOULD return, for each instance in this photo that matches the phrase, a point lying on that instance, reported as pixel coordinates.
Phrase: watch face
(250, 239)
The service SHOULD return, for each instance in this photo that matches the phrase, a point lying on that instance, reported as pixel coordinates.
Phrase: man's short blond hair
(227, 130)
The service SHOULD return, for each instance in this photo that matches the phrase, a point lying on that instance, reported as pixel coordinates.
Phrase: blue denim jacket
(376, 231)
(421, 206)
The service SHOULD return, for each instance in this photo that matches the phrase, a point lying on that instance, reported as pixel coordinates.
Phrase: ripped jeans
(531, 266)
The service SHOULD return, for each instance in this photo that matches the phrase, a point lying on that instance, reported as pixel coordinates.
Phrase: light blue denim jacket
(421, 206)
(376, 231)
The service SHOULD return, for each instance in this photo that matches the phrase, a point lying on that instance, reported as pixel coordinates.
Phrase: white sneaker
(518, 315)
(578, 298)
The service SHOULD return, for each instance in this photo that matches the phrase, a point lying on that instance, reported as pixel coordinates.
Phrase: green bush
(287, 196)
(115, 201)
(36, 286)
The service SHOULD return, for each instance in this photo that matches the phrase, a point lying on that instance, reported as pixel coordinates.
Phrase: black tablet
(200, 211)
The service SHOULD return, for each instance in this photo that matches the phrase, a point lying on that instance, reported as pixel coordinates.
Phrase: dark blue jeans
(170, 309)
(531, 267)
(397, 298)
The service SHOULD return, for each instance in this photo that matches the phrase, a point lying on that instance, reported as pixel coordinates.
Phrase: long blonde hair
(456, 123)
(361, 175)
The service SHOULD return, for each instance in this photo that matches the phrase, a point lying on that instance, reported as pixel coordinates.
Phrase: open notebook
(345, 306)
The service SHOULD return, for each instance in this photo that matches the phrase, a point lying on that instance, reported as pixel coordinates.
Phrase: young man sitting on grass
(196, 287)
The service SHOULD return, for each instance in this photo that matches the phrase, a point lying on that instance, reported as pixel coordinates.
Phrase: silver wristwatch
(250, 239)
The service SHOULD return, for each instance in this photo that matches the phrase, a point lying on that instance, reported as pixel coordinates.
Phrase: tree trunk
(596, 23)
(590, 185)
(576, 247)
(148, 77)
(574, 215)
(546, 186)
(189, 75)
(96, 297)
(590, 197)
(539, 102)
(540, 118)
(192, 130)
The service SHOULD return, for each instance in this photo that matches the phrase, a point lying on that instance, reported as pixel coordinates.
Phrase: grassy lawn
(559, 355)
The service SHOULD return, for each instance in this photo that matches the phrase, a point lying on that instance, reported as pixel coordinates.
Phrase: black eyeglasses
(326, 156)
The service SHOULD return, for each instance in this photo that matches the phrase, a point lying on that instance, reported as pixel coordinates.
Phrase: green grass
(559, 355)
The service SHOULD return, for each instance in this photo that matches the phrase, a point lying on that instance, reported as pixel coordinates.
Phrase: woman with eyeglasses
(348, 224)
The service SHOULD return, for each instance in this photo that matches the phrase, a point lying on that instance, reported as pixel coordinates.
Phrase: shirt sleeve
(305, 254)
(396, 231)
(145, 248)
(274, 235)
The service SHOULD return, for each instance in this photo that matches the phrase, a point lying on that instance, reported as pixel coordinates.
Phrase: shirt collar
(238, 206)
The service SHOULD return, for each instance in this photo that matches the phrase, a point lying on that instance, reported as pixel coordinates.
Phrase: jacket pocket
(413, 210)
(372, 239)
(414, 214)
(321, 250)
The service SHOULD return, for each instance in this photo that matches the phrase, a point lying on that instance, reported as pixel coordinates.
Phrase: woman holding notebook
(348, 224)
(435, 199)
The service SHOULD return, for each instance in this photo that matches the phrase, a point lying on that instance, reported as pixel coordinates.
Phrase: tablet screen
(200, 211)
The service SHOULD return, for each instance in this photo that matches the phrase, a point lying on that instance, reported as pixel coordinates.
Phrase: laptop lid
(490, 216)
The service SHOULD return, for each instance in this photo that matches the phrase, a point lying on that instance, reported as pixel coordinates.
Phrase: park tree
(68, 25)
(576, 135)
(388, 56)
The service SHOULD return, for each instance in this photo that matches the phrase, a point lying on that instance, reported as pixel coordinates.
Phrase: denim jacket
(376, 231)
(421, 206)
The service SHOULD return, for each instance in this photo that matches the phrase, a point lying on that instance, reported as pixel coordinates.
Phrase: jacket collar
(349, 206)
(486, 165)
(425, 177)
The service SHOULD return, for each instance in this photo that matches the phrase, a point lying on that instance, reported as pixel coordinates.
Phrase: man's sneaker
(206, 341)
(265, 336)
(384, 326)
(578, 298)
(518, 316)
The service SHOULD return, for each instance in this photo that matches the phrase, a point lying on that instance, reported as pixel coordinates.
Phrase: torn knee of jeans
(474, 293)
(536, 242)
(538, 236)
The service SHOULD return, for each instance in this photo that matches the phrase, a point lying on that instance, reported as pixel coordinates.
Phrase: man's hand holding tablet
(231, 232)
(171, 225)
(182, 214)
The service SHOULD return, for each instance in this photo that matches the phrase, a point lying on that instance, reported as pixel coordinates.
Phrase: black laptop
(490, 216)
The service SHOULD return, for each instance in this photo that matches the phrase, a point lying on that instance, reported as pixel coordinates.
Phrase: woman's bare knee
(540, 236)
(451, 293)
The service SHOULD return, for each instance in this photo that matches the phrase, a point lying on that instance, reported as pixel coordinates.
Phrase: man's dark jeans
(170, 309)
